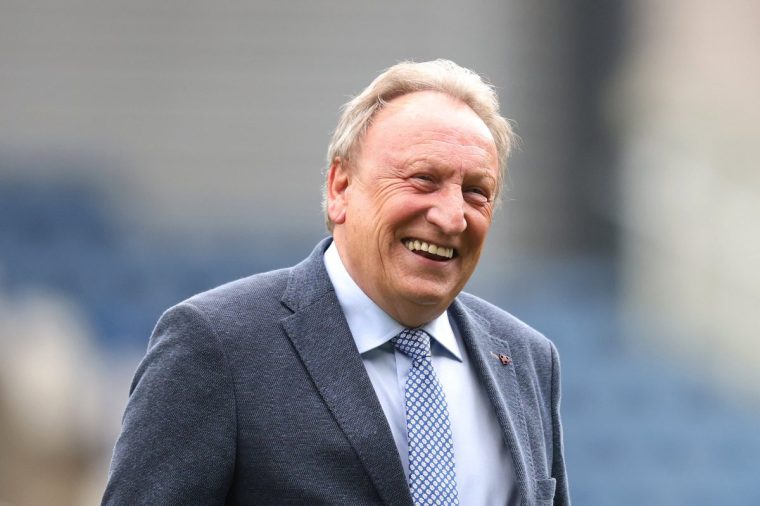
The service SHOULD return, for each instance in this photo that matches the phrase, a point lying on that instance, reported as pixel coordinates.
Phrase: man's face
(425, 177)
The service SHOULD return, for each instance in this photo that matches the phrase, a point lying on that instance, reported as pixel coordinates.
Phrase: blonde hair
(406, 77)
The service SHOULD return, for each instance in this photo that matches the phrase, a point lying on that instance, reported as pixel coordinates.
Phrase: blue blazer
(254, 393)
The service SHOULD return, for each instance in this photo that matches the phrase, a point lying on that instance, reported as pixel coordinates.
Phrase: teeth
(417, 245)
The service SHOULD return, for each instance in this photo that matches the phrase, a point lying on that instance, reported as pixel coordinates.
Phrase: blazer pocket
(545, 490)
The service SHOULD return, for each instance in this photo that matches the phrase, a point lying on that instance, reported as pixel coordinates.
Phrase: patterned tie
(432, 476)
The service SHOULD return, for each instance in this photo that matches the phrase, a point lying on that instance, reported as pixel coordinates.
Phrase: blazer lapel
(320, 335)
(500, 381)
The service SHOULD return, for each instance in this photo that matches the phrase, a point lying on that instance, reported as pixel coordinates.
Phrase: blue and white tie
(432, 474)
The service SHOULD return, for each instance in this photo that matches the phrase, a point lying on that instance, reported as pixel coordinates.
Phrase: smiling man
(412, 205)
(363, 375)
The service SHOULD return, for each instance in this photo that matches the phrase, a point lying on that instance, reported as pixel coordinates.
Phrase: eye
(424, 181)
(477, 194)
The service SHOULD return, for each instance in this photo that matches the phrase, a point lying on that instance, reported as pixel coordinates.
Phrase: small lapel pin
(504, 359)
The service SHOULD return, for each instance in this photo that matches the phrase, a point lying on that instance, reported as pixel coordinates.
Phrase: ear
(338, 180)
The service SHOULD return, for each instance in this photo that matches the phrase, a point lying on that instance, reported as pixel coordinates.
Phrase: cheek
(396, 212)
(478, 231)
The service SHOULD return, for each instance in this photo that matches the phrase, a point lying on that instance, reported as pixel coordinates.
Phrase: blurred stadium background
(150, 150)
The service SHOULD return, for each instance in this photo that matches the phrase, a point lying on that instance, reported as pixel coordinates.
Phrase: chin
(429, 298)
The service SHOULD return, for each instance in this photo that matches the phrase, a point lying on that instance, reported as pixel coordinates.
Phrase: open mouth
(430, 250)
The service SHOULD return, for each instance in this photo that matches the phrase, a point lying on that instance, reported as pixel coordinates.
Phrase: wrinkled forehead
(434, 122)
(432, 106)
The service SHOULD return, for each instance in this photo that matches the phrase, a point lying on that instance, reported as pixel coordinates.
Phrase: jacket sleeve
(562, 495)
(177, 443)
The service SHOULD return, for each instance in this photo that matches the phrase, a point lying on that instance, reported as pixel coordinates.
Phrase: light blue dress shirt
(484, 468)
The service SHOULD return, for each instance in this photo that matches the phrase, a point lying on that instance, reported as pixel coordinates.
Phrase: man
(362, 375)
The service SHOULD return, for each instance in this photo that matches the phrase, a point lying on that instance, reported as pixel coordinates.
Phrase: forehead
(431, 121)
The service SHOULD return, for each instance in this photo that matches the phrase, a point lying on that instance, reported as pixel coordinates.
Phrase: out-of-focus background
(151, 150)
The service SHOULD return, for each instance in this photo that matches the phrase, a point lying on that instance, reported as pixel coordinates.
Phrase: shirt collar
(369, 324)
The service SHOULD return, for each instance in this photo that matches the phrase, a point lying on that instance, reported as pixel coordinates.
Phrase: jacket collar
(320, 335)
(486, 351)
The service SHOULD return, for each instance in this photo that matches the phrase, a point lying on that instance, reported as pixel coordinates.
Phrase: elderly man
(363, 375)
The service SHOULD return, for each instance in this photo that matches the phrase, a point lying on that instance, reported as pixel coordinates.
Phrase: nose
(447, 211)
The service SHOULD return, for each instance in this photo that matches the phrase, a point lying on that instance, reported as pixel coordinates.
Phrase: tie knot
(414, 343)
